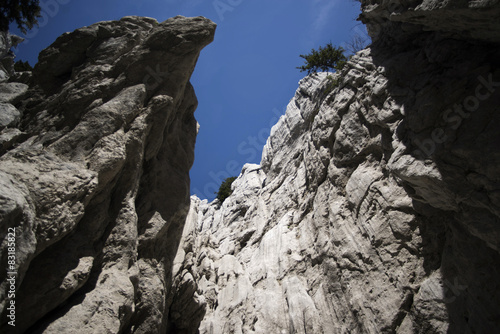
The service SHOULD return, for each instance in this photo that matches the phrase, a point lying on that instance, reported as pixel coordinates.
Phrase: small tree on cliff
(225, 189)
(21, 66)
(23, 12)
(324, 59)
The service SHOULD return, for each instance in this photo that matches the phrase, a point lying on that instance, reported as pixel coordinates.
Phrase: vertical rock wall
(375, 208)
(94, 176)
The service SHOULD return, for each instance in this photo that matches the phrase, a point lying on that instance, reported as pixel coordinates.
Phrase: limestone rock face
(7, 41)
(462, 20)
(375, 208)
(94, 164)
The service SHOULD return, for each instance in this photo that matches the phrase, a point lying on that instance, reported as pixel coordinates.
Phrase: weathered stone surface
(7, 41)
(12, 92)
(94, 176)
(9, 115)
(375, 208)
(462, 20)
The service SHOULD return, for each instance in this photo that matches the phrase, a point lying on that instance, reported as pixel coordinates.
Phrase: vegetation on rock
(225, 189)
(21, 66)
(324, 59)
(23, 12)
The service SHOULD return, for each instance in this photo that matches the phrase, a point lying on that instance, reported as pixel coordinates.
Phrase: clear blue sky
(243, 80)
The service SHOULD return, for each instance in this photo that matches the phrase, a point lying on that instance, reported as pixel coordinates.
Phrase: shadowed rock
(375, 207)
(94, 172)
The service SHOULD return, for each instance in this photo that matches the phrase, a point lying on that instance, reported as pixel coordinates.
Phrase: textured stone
(375, 207)
(9, 115)
(12, 92)
(94, 176)
(7, 41)
(463, 20)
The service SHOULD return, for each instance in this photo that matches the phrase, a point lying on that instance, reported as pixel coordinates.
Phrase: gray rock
(94, 177)
(375, 207)
(7, 41)
(12, 92)
(9, 136)
(462, 20)
(9, 115)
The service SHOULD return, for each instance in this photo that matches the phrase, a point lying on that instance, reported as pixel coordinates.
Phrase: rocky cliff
(7, 42)
(376, 205)
(375, 209)
(96, 145)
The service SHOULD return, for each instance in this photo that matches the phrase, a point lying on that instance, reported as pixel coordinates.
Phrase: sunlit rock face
(376, 205)
(375, 208)
(7, 42)
(96, 148)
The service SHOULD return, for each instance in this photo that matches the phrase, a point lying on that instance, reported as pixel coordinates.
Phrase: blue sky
(243, 80)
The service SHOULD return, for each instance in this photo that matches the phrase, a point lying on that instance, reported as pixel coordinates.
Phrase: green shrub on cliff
(21, 66)
(324, 59)
(225, 189)
(23, 12)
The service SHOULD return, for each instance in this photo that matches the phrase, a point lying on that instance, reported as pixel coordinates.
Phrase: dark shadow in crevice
(451, 102)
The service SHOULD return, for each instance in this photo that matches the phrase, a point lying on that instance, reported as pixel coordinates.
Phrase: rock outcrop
(375, 209)
(7, 41)
(95, 156)
(376, 206)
